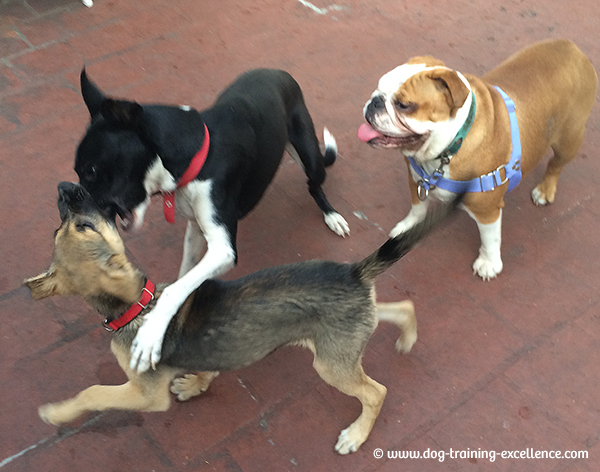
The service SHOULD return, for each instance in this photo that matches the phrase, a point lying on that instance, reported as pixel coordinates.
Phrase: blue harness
(484, 183)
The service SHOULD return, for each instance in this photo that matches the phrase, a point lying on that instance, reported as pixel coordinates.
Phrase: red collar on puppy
(134, 310)
(190, 174)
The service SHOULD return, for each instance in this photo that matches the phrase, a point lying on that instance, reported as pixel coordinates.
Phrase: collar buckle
(145, 289)
(134, 310)
(106, 326)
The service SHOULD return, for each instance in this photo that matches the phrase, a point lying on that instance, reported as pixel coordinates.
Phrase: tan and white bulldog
(424, 109)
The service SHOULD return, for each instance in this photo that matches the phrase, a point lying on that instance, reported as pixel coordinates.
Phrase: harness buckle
(423, 192)
(493, 175)
(503, 166)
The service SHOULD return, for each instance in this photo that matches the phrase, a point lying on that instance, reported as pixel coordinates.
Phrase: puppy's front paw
(54, 414)
(191, 385)
(337, 224)
(487, 269)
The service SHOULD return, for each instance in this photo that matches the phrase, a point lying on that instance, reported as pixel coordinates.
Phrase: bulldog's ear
(122, 112)
(429, 61)
(448, 82)
(92, 96)
(42, 286)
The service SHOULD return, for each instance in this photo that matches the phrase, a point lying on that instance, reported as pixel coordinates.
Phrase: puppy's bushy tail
(395, 248)
(330, 148)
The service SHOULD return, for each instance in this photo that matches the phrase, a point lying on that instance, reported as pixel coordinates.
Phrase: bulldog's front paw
(487, 269)
(400, 228)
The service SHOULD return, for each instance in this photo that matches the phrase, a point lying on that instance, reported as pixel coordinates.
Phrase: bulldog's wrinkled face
(417, 107)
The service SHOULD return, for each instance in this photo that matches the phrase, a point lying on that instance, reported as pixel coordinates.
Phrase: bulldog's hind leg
(565, 149)
(305, 149)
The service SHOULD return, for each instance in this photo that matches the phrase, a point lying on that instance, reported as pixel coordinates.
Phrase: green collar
(462, 133)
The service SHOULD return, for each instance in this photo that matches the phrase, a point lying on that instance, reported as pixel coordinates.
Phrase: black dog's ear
(121, 112)
(92, 96)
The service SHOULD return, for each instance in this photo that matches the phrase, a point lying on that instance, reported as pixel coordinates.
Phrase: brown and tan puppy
(324, 306)
(422, 107)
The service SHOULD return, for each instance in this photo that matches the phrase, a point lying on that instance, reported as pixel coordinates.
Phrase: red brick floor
(505, 365)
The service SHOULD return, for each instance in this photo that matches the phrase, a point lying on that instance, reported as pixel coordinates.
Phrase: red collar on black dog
(190, 174)
(134, 310)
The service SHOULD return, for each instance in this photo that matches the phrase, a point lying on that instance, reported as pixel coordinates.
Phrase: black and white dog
(218, 163)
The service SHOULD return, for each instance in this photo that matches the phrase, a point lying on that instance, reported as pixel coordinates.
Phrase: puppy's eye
(405, 107)
(82, 227)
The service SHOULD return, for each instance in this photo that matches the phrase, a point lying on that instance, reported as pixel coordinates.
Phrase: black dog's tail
(330, 148)
(395, 248)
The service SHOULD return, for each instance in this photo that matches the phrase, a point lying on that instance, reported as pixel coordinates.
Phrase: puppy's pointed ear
(448, 82)
(42, 286)
(122, 112)
(92, 96)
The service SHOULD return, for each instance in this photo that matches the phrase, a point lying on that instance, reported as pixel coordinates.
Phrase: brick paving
(508, 364)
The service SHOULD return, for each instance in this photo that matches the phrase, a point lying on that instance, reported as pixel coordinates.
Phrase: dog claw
(486, 269)
(337, 224)
(146, 347)
(345, 444)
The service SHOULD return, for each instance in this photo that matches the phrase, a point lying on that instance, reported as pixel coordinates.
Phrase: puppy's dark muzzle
(74, 198)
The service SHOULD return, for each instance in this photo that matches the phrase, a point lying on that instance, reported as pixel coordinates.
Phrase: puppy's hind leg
(352, 381)
(191, 385)
(305, 146)
(402, 314)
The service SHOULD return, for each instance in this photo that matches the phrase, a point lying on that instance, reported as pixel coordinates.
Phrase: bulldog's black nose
(377, 103)
(375, 107)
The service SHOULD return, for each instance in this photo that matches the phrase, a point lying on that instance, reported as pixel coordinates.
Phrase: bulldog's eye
(82, 227)
(405, 107)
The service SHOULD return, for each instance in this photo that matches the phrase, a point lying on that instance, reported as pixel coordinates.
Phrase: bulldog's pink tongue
(366, 132)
